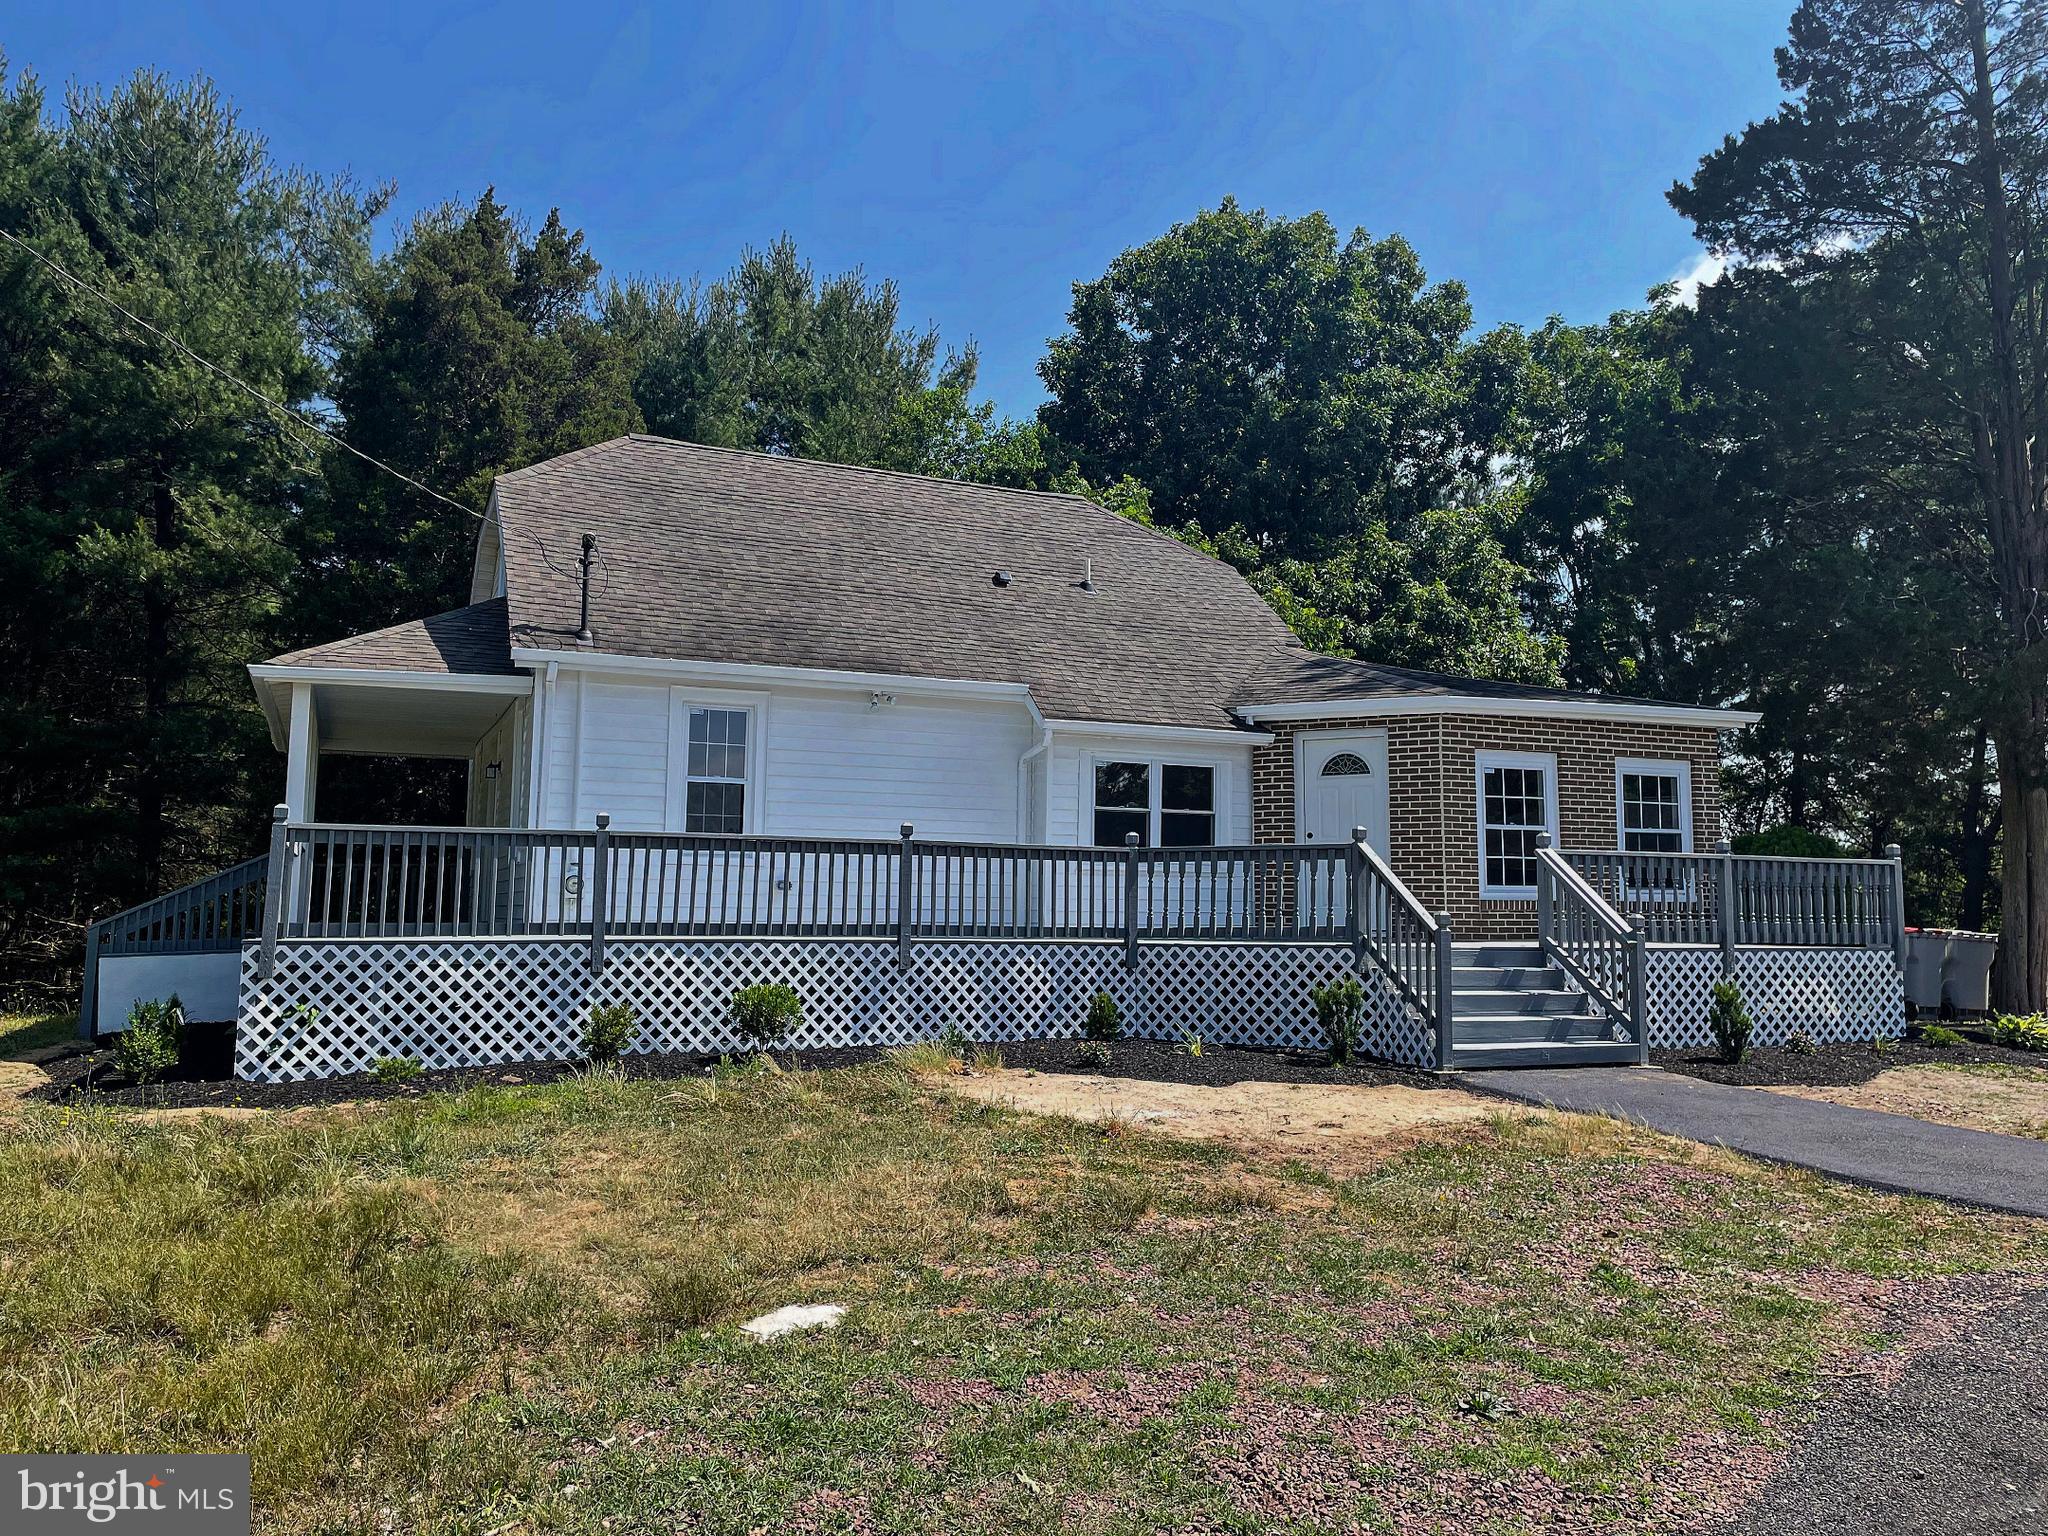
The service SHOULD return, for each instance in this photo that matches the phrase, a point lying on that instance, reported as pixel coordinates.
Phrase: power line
(289, 413)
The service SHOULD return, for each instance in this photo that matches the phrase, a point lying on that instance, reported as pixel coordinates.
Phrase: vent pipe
(585, 560)
(1087, 573)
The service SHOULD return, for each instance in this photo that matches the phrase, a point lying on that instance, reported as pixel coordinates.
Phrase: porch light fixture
(490, 770)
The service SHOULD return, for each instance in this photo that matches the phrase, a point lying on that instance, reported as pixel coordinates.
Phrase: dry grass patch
(511, 1310)
(2012, 1101)
(1339, 1128)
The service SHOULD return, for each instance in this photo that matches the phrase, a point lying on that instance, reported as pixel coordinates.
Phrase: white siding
(1070, 779)
(828, 765)
(499, 802)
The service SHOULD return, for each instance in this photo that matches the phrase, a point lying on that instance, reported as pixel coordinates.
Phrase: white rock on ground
(792, 1319)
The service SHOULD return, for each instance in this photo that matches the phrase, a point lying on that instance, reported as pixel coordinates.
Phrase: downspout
(1024, 769)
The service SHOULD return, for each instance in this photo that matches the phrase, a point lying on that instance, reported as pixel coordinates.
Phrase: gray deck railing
(1599, 949)
(221, 912)
(1399, 936)
(369, 882)
(1730, 899)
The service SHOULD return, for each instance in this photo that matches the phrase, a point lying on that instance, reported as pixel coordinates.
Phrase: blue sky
(987, 156)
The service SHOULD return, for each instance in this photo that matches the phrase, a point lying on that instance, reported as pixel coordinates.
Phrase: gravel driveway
(1957, 1445)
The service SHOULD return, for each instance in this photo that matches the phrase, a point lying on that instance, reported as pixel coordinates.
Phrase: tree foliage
(475, 350)
(1911, 161)
(1255, 372)
(144, 501)
(771, 357)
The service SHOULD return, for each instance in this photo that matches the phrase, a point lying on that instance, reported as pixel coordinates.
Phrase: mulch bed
(90, 1077)
(1842, 1066)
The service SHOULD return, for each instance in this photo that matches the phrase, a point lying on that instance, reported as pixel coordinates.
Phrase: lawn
(511, 1310)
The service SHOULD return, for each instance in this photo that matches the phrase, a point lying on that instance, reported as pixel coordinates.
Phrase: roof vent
(1087, 574)
(1001, 578)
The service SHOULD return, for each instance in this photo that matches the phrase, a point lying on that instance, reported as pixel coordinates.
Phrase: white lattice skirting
(1830, 994)
(337, 1006)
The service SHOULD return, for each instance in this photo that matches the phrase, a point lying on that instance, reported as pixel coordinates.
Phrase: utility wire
(289, 413)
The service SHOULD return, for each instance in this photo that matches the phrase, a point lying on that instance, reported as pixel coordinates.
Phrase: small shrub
(610, 1030)
(1941, 1037)
(148, 1047)
(1339, 1006)
(953, 1040)
(1105, 1021)
(766, 1012)
(2020, 1032)
(1092, 1053)
(1728, 1017)
(1800, 1043)
(396, 1069)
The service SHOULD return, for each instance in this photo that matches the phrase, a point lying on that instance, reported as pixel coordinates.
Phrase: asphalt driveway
(1957, 1445)
(1892, 1152)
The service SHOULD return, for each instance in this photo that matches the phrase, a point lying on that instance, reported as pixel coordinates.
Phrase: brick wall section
(1432, 803)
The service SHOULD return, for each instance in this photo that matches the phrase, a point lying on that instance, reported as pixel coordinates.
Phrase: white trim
(302, 755)
(677, 788)
(1155, 784)
(1588, 708)
(1481, 762)
(394, 677)
(537, 773)
(1201, 735)
(719, 672)
(1303, 740)
(1669, 767)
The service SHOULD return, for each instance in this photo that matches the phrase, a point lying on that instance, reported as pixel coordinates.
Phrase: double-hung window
(715, 797)
(1517, 805)
(1653, 806)
(1169, 805)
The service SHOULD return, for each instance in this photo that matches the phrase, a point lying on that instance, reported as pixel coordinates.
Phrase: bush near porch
(512, 1310)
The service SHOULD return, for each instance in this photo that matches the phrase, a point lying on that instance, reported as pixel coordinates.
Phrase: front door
(1341, 782)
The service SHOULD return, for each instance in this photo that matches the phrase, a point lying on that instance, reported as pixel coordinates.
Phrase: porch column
(302, 755)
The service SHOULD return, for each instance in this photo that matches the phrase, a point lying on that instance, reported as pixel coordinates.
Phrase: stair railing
(1601, 951)
(1400, 937)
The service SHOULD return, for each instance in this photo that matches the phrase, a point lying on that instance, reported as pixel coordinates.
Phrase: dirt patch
(2015, 1104)
(1339, 1128)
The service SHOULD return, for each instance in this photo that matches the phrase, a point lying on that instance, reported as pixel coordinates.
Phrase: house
(725, 652)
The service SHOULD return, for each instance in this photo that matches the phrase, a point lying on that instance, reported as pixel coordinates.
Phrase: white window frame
(755, 707)
(1481, 762)
(1155, 786)
(1674, 768)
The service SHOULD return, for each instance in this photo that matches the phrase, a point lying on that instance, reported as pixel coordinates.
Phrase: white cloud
(1703, 269)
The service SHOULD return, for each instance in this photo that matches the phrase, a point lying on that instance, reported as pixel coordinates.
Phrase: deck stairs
(1512, 1007)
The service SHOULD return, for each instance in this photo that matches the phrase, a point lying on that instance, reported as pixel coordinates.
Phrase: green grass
(21, 1033)
(512, 1310)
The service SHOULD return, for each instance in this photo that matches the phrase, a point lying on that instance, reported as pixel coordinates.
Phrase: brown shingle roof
(469, 640)
(715, 555)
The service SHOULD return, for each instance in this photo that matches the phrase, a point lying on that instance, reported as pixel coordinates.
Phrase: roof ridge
(1074, 497)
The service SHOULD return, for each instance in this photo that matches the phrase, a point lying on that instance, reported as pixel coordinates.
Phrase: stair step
(1516, 1000)
(1507, 978)
(1544, 1053)
(1496, 1028)
(1529, 956)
